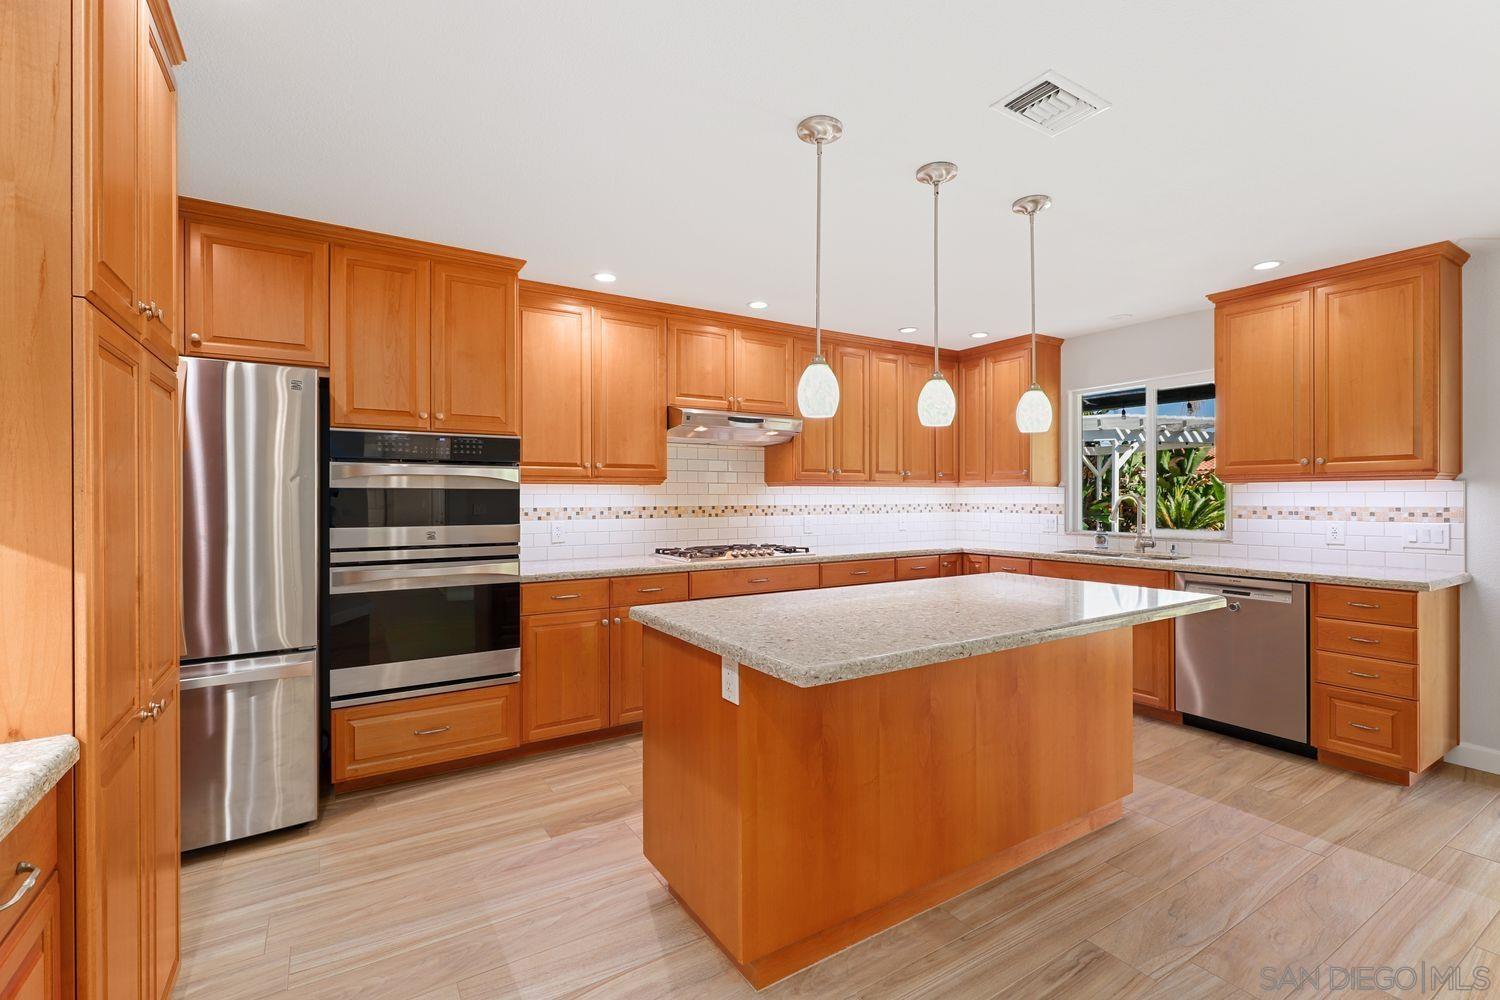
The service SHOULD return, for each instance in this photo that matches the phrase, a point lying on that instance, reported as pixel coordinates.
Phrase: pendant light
(818, 388)
(936, 404)
(1033, 409)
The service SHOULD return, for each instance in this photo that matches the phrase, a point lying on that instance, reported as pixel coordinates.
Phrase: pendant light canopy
(1033, 409)
(936, 404)
(818, 388)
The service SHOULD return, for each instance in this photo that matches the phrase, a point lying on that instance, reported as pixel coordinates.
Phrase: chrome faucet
(1143, 539)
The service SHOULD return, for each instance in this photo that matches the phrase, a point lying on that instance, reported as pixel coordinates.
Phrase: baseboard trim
(1475, 756)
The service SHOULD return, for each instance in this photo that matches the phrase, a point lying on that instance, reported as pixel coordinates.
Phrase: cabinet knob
(617, 621)
(441, 416)
(604, 622)
(141, 307)
(838, 471)
(1320, 461)
(195, 339)
(422, 414)
(151, 310)
(1301, 461)
(598, 465)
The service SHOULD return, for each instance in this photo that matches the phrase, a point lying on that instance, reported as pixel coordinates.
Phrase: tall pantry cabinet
(89, 534)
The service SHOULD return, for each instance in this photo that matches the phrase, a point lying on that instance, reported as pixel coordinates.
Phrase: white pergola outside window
(1104, 442)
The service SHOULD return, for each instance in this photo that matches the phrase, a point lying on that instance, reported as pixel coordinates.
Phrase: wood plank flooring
(526, 880)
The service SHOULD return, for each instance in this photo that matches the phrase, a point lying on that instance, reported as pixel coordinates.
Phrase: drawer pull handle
(566, 597)
(1363, 604)
(1361, 673)
(759, 579)
(918, 568)
(430, 732)
(32, 873)
(1362, 639)
(1361, 725)
(649, 590)
(859, 572)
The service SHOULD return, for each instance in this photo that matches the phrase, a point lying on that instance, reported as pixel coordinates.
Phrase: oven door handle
(365, 579)
(402, 475)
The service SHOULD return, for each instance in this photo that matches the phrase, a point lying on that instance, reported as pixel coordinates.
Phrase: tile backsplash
(715, 494)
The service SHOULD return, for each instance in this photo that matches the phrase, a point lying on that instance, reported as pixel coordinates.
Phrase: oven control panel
(399, 446)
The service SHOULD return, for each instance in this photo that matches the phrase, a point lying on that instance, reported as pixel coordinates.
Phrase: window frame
(1073, 484)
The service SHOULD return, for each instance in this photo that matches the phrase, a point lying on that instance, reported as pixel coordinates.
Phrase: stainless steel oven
(423, 590)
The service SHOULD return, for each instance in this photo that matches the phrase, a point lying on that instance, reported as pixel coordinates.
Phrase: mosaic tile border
(638, 512)
(1391, 515)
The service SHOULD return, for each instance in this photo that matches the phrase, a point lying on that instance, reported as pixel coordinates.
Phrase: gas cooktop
(725, 553)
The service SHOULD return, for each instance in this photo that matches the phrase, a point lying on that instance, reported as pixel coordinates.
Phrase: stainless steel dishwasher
(1244, 666)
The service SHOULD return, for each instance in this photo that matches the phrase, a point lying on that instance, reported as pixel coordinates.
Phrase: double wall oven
(423, 564)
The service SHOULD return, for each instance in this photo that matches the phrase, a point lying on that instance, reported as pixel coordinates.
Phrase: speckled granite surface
(28, 770)
(813, 637)
(1358, 576)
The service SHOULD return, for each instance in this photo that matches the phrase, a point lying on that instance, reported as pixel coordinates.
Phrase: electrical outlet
(557, 533)
(729, 679)
(807, 525)
(1334, 533)
(900, 524)
(1431, 537)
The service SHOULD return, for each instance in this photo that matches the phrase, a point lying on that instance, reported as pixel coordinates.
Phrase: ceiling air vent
(1051, 104)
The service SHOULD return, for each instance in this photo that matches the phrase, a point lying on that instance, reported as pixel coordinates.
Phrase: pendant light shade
(936, 404)
(818, 388)
(1033, 409)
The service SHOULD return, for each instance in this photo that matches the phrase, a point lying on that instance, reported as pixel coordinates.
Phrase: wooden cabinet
(856, 572)
(159, 195)
(476, 377)
(969, 564)
(972, 416)
(392, 736)
(255, 293)
(752, 580)
(720, 368)
(627, 669)
(888, 419)
(918, 443)
(1154, 643)
(950, 564)
(162, 756)
(920, 567)
(991, 449)
(380, 337)
(1007, 564)
(945, 439)
(31, 955)
(1007, 450)
(564, 674)
(593, 392)
(1348, 373)
(809, 457)
(851, 424)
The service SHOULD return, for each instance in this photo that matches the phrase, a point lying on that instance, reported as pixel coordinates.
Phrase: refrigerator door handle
(248, 670)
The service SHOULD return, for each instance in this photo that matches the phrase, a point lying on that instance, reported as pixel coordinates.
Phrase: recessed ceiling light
(757, 304)
(1267, 265)
(907, 329)
(979, 335)
(604, 276)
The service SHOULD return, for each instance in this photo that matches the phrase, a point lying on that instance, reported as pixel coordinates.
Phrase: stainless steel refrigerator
(249, 588)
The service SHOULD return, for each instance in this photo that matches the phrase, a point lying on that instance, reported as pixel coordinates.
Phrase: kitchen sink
(1116, 554)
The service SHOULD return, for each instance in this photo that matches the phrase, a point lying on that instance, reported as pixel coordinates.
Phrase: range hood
(723, 427)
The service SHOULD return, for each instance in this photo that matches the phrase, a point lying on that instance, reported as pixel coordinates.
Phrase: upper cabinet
(125, 201)
(851, 424)
(594, 391)
(255, 293)
(721, 368)
(476, 383)
(991, 449)
(380, 334)
(1348, 373)
(807, 458)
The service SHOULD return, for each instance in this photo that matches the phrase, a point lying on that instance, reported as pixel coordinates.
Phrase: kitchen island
(824, 764)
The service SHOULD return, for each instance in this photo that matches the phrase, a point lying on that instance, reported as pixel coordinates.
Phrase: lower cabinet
(627, 671)
(31, 954)
(921, 567)
(564, 673)
(400, 735)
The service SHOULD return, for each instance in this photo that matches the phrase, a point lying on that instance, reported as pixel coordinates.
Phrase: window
(1153, 440)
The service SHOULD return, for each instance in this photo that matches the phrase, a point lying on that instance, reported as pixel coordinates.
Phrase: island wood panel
(476, 377)
(1263, 377)
(805, 819)
(764, 381)
(557, 389)
(380, 336)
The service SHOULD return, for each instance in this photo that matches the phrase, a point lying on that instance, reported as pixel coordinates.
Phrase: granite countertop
(28, 770)
(1389, 577)
(813, 637)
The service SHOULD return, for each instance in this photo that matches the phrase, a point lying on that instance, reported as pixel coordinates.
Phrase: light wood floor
(527, 880)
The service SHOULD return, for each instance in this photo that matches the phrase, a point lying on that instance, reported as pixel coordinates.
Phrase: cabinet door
(887, 417)
(381, 337)
(557, 389)
(564, 674)
(918, 442)
(256, 294)
(161, 464)
(475, 372)
(700, 360)
(946, 438)
(1263, 374)
(630, 396)
(109, 202)
(159, 99)
(851, 424)
(763, 378)
(31, 955)
(1008, 451)
(161, 757)
(627, 669)
(1375, 364)
(813, 455)
(972, 411)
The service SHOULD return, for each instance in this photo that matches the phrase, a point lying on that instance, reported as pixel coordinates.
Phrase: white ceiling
(655, 139)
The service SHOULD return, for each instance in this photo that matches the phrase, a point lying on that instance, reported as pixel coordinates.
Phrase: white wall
(1479, 708)
(1175, 345)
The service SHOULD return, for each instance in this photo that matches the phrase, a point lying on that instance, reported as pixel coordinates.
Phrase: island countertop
(813, 637)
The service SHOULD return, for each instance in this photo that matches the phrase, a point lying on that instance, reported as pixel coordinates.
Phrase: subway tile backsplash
(717, 494)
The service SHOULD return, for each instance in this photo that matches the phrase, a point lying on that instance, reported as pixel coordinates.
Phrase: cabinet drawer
(1005, 564)
(32, 842)
(398, 735)
(919, 567)
(1385, 642)
(1363, 604)
(1368, 726)
(759, 580)
(974, 564)
(564, 595)
(659, 588)
(844, 574)
(1398, 680)
(950, 565)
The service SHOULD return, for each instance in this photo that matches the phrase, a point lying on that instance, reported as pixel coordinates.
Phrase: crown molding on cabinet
(1445, 248)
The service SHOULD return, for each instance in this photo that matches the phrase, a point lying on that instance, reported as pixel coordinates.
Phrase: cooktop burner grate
(701, 553)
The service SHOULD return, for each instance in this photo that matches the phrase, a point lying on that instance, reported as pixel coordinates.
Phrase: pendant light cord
(935, 368)
(818, 261)
(1031, 227)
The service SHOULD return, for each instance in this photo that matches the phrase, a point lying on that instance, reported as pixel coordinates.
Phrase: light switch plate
(729, 680)
(1334, 533)
(1431, 537)
(557, 533)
